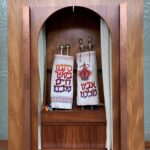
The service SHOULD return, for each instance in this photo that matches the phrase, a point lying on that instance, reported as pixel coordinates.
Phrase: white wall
(3, 71)
(147, 68)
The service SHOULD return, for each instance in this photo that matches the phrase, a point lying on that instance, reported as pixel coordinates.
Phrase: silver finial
(90, 45)
(81, 45)
(61, 49)
(68, 48)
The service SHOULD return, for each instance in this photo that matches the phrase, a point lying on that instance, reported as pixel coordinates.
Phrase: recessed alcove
(76, 128)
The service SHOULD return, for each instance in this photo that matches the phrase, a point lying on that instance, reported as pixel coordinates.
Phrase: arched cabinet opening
(81, 124)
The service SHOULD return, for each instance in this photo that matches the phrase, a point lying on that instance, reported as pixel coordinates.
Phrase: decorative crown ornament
(84, 73)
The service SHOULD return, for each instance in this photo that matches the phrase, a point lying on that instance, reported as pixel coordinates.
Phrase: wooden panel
(135, 76)
(26, 75)
(77, 115)
(73, 135)
(53, 3)
(123, 74)
(17, 137)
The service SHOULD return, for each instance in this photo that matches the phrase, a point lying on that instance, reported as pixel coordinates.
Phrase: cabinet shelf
(76, 115)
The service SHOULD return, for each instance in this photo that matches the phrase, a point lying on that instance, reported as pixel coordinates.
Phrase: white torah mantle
(87, 84)
(62, 82)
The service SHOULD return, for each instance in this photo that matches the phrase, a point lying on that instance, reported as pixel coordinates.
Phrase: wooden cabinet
(79, 129)
(23, 66)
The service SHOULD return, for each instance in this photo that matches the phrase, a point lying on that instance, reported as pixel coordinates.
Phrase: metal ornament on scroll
(87, 82)
(62, 80)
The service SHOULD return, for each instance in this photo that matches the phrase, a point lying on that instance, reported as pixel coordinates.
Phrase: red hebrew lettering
(63, 78)
(93, 84)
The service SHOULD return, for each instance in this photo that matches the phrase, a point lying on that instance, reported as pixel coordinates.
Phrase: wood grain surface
(26, 75)
(74, 135)
(17, 136)
(53, 3)
(135, 76)
(123, 74)
(76, 115)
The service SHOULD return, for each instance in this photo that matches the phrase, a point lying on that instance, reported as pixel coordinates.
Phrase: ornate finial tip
(89, 38)
(61, 46)
(67, 46)
(80, 40)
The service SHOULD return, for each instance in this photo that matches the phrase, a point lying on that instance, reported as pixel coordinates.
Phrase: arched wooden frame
(111, 15)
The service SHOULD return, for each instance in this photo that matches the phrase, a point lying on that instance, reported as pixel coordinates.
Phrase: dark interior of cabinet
(76, 128)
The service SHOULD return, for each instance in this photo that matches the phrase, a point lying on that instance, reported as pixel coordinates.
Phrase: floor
(3, 145)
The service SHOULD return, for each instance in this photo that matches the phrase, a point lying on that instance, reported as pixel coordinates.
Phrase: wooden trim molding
(123, 74)
(26, 75)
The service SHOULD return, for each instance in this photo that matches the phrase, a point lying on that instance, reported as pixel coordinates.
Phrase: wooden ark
(76, 129)
(79, 129)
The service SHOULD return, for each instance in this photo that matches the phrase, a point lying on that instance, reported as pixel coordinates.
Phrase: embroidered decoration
(63, 78)
(85, 72)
